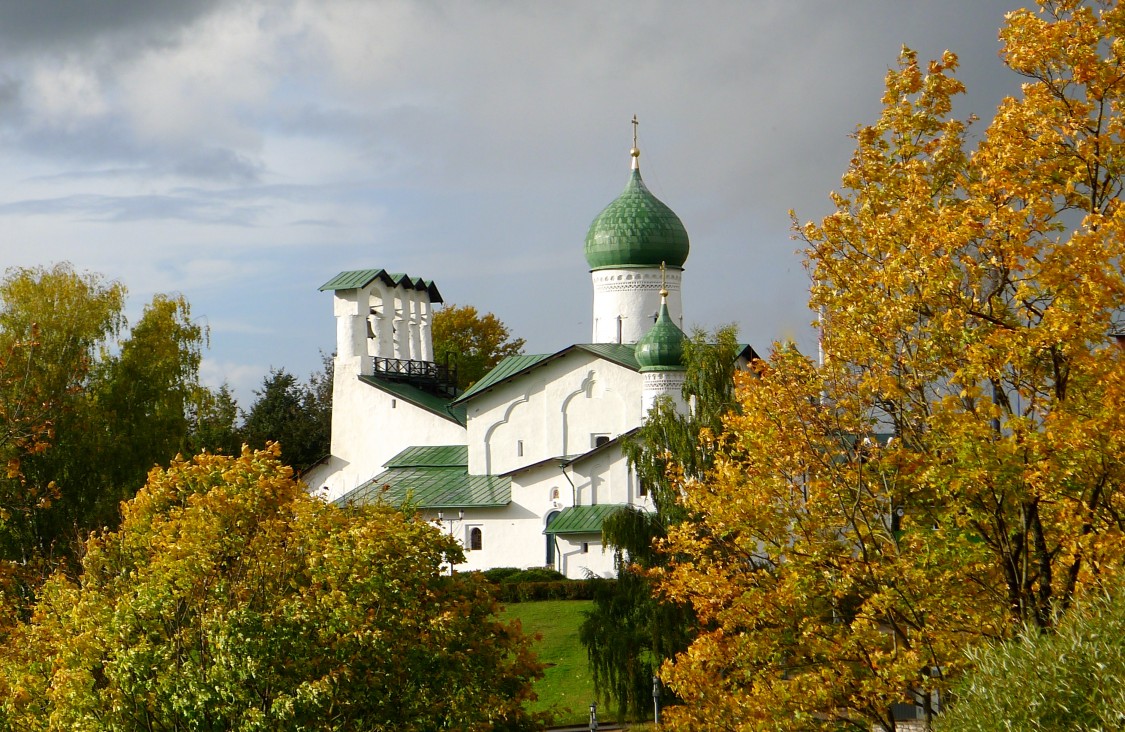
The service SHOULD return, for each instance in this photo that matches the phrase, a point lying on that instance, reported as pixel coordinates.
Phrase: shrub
(1071, 679)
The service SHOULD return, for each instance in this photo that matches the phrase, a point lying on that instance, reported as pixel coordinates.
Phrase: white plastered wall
(627, 301)
(514, 536)
(552, 410)
(369, 425)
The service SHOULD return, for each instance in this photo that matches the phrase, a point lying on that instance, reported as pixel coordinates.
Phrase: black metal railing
(427, 375)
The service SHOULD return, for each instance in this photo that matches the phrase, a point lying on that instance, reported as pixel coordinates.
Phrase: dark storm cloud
(468, 142)
(105, 144)
(64, 24)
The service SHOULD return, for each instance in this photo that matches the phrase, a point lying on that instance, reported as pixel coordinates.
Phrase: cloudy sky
(242, 152)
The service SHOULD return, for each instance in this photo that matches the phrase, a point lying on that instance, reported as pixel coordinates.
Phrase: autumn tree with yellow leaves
(951, 471)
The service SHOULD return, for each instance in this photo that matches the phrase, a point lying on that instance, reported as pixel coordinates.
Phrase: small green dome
(662, 348)
(636, 230)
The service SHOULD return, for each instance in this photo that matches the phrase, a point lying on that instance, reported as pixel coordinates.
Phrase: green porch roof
(621, 354)
(432, 477)
(583, 519)
(430, 456)
(357, 278)
(440, 406)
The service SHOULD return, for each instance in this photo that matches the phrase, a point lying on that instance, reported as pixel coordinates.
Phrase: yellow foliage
(951, 471)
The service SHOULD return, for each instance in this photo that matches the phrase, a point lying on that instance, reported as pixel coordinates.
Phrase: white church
(523, 466)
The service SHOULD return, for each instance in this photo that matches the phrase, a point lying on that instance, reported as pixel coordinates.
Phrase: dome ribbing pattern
(636, 230)
(662, 348)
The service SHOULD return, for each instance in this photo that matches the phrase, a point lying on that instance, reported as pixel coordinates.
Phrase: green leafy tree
(295, 415)
(630, 631)
(213, 421)
(144, 391)
(1073, 679)
(53, 325)
(128, 414)
(472, 342)
(229, 599)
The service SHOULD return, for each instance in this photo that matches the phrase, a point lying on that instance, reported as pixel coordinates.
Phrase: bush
(537, 574)
(508, 575)
(540, 583)
(500, 574)
(562, 590)
(1072, 679)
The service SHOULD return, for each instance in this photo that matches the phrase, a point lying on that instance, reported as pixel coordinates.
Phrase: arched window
(475, 539)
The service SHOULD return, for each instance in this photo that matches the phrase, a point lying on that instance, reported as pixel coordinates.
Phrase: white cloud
(64, 93)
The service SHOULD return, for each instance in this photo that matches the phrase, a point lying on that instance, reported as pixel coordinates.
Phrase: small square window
(597, 440)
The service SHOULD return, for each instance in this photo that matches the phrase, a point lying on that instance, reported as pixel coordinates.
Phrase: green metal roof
(427, 456)
(622, 354)
(582, 519)
(636, 229)
(662, 348)
(440, 406)
(619, 353)
(432, 477)
(358, 278)
(507, 368)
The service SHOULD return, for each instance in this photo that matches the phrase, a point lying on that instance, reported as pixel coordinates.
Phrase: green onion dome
(636, 230)
(662, 348)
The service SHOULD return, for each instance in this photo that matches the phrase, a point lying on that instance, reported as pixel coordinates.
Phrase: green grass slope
(566, 688)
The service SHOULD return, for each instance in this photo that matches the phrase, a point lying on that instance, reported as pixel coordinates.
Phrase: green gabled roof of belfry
(619, 353)
(432, 478)
(440, 406)
(357, 278)
(582, 519)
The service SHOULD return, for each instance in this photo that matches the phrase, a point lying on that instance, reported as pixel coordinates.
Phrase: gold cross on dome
(635, 123)
(663, 281)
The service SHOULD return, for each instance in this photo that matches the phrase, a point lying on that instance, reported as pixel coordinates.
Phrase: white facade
(550, 430)
(524, 466)
(627, 301)
(557, 409)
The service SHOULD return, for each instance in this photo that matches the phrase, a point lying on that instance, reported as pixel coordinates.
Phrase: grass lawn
(566, 687)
